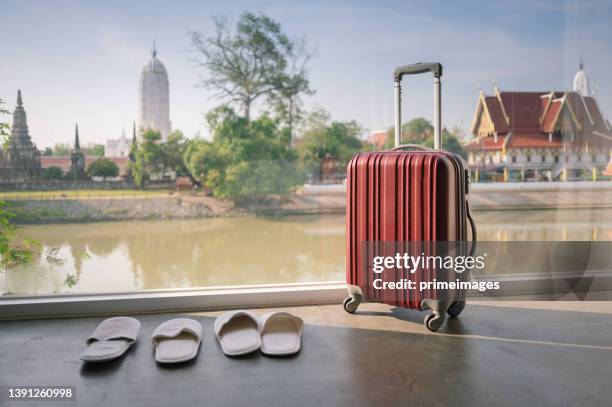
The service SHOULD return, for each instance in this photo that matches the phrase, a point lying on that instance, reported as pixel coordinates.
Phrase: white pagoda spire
(153, 97)
(581, 81)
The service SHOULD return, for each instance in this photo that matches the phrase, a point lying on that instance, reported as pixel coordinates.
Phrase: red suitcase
(406, 196)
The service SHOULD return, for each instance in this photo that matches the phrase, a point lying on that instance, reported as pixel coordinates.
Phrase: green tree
(245, 159)
(415, 131)
(13, 251)
(4, 127)
(285, 98)
(420, 131)
(103, 167)
(450, 142)
(323, 138)
(18, 251)
(61, 149)
(254, 59)
(48, 151)
(172, 153)
(96, 150)
(148, 158)
(53, 173)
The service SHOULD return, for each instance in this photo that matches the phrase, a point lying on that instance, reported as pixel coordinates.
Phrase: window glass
(131, 161)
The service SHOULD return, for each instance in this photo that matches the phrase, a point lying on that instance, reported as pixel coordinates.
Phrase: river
(144, 255)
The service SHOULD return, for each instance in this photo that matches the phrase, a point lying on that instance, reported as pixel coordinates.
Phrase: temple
(77, 158)
(540, 136)
(20, 159)
(74, 166)
(154, 97)
(120, 147)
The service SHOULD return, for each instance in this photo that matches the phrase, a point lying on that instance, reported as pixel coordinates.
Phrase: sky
(79, 61)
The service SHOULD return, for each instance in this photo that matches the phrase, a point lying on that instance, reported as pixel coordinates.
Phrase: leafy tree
(103, 167)
(53, 173)
(416, 131)
(285, 98)
(245, 159)
(18, 251)
(61, 149)
(172, 153)
(323, 138)
(254, 59)
(317, 119)
(97, 150)
(148, 158)
(13, 251)
(420, 131)
(48, 151)
(4, 127)
(450, 142)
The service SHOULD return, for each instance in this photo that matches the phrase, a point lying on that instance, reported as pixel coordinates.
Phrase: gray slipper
(111, 339)
(177, 340)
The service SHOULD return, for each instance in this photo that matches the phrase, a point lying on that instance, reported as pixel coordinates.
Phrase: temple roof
(526, 119)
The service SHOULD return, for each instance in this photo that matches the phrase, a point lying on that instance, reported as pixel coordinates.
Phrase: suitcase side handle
(473, 226)
(413, 146)
(436, 69)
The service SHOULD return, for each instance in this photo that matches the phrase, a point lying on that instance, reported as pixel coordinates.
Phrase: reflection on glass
(128, 256)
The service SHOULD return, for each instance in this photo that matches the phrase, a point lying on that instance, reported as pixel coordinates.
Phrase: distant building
(153, 107)
(154, 97)
(608, 171)
(378, 138)
(120, 147)
(74, 166)
(539, 135)
(21, 159)
(77, 158)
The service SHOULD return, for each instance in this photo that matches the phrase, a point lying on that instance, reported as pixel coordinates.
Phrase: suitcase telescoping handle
(414, 69)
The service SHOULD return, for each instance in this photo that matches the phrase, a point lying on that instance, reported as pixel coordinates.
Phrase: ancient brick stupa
(77, 158)
(20, 161)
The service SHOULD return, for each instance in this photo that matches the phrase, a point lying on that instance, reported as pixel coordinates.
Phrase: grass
(81, 194)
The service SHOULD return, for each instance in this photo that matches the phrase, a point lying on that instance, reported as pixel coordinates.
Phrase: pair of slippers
(178, 340)
(175, 341)
(273, 333)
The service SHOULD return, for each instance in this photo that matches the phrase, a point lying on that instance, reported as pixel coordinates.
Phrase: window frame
(172, 300)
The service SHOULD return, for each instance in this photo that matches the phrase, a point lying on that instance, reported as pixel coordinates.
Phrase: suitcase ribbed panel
(401, 196)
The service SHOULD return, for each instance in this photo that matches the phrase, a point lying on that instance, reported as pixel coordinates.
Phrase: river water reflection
(143, 255)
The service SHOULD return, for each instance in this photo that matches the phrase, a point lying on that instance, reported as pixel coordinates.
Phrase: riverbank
(74, 210)
(310, 200)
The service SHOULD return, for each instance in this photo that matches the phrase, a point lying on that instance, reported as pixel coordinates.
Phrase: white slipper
(111, 339)
(281, 333)
(237, 333)
(177, 340)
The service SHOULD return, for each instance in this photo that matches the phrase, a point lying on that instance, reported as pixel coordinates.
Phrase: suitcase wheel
(351, 303)
(434, 321)
(455, 308)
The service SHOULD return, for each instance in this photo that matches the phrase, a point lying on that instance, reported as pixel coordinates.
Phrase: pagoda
(20, 159)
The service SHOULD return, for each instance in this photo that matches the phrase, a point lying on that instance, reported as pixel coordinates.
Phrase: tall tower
(22, 156)
(154, 97)
(77, 158)
(581, 81)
